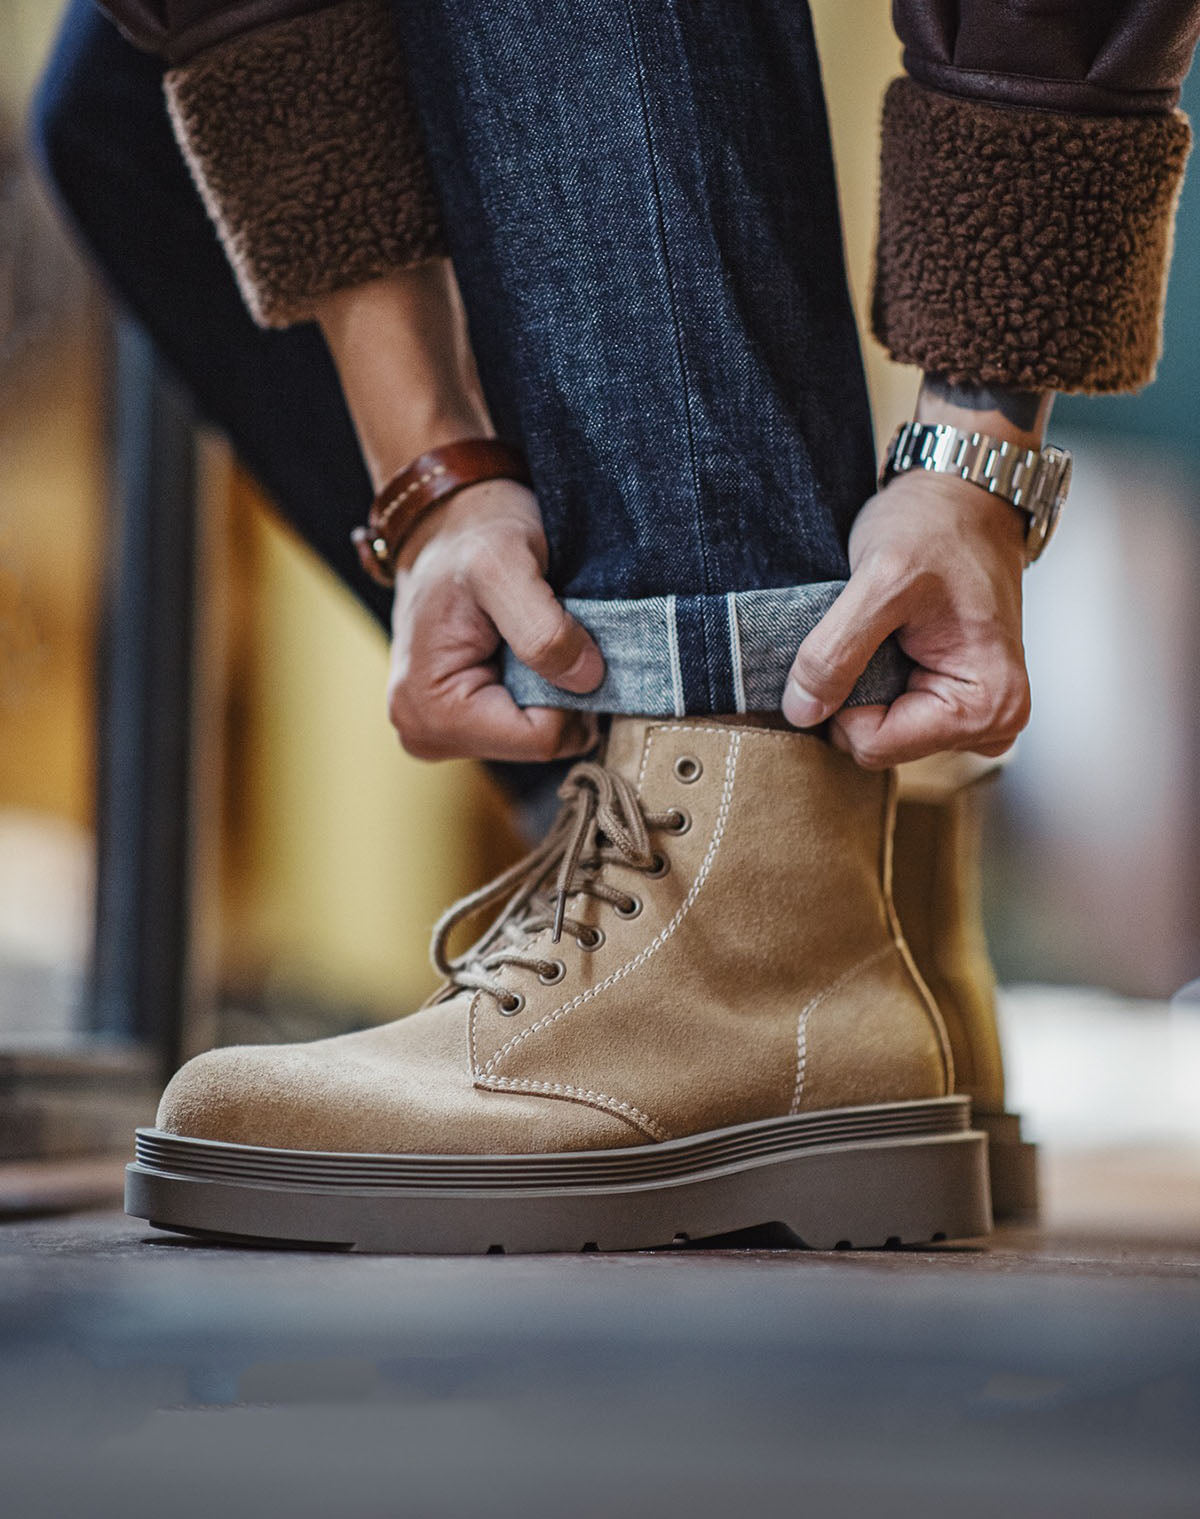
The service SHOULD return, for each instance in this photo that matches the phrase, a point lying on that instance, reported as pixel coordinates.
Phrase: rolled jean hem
(687, 656)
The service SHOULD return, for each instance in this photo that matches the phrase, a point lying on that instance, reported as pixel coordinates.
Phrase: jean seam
(660, 221)
(710, 672)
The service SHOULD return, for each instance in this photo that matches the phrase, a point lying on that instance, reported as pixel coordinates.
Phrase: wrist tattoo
(1020, 407)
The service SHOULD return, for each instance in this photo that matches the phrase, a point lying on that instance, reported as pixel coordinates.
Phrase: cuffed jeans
(640, 204)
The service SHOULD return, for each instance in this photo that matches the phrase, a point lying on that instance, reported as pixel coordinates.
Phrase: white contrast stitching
(472, 1024)
(747, 731)
(801, 1057)
(599, 1099)
(656, 728)
(389, 510)
(663, 935)
(673, 654)
(811, 1007)
(647, 745)
(735, 652)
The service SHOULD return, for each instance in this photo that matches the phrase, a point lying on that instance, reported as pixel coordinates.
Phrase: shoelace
(601, 822)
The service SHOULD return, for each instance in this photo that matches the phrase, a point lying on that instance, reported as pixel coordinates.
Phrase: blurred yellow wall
(859, 56)
(52, 475)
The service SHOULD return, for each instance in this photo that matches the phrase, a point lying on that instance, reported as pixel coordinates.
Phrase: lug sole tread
(895, 1174)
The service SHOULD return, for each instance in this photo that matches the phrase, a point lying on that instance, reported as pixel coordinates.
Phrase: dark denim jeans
(641, 208)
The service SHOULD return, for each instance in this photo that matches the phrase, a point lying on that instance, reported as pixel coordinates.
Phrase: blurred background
(299, 858)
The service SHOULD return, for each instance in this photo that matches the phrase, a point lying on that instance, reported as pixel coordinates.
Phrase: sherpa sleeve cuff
(1024, 247)
(304, 144)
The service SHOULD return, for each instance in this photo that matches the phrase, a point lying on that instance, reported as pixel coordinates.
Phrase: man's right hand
(470, 579)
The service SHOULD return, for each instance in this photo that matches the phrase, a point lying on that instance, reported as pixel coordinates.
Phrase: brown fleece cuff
(1024, 248)
(304, 144)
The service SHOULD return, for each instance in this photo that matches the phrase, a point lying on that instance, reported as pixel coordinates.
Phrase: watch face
(1051, 496)
(1061, 486)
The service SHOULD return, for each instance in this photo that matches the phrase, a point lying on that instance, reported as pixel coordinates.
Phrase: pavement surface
(1049, 1372)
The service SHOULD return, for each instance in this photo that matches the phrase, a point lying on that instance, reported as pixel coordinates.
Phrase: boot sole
(1012, 1166)
(900, 1173)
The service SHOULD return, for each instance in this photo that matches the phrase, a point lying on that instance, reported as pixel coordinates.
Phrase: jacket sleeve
(178, 29)
(1031, 160)
(298, 129)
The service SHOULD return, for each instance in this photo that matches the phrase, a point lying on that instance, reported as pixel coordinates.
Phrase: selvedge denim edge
(687, 656)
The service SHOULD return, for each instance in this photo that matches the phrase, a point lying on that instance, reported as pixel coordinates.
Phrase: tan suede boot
(727, 1031)
(937, 886)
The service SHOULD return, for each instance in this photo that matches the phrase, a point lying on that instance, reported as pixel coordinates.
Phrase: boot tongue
(626, 743)
(602, 820)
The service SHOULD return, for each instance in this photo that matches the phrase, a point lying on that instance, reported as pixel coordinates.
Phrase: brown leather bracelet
(418, 488)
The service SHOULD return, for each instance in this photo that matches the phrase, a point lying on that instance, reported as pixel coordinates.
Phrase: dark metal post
(145, 709)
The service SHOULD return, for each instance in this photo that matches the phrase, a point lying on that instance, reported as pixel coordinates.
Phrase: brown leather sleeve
(1122, 55)
(1093, 56)
(1030, 168)
(303, 141)
(178, 29)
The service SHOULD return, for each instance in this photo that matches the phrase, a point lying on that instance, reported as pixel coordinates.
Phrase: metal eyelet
(688, 768)
(659, 867)
(682, 821)
(590, 938)
(511, 1005)
(635, 907)
(555, 976)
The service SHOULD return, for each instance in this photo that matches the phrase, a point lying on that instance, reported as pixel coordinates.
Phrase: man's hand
(472, 575)
(471, 578)
(937, 561)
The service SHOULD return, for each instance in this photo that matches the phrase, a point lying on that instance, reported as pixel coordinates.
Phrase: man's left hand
(938, 562)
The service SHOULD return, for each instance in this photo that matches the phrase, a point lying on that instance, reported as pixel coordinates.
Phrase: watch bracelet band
(430, 479)
(1033, 480)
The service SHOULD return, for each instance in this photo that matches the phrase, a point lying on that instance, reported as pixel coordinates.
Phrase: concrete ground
(1052, 1371)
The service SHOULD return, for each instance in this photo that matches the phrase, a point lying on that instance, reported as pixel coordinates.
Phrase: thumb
(838, 650)
(541, 632)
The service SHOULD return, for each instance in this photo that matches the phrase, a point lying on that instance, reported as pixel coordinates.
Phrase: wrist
(471, 510)
(1016, 416)
(404, 360)
(1032, 480)
(962, 507)
(919, 519)
(395, 442)
(428, 482)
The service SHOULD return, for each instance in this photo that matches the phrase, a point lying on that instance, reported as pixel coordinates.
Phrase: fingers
(839, 648)
(445, 699)
(485, 723)
(479, 582)
(537, 627)
(945, 576)
(934, 715)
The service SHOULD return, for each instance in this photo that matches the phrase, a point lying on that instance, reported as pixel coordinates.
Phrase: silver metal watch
(1035, 481)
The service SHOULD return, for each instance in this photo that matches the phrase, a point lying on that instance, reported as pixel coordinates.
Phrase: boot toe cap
(242, 1095)
(361, 1093)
